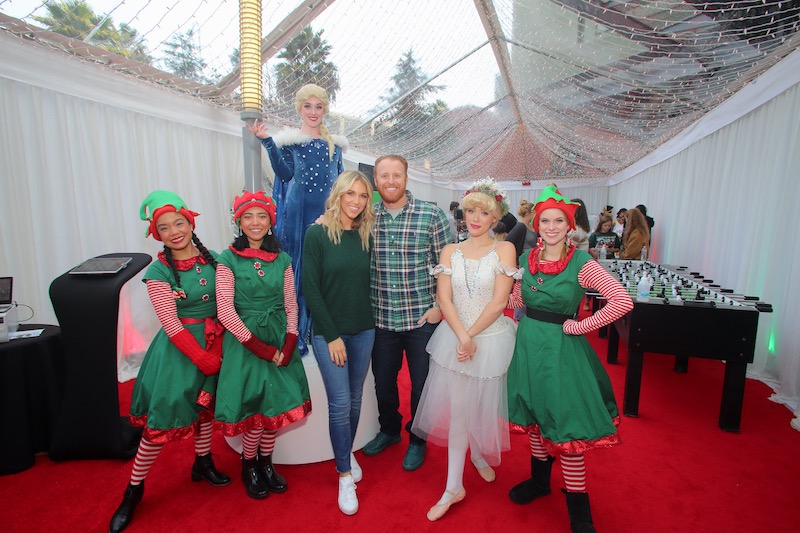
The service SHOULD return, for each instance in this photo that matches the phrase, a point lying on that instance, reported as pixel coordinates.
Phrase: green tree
(76, 19)
(408, 80)
(72, 18)
(132, 45)
(306, 61)
(182, 57)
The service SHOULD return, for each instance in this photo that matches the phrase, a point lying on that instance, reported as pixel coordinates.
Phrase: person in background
(524, 238)
(580, 233)
(509, 221)
(306, 162)
(637, 236)
(603, 236)
(557, 388)
(463, 402)
(262, 384)
(173, 397)
(619, 227)
(336, 285)
(409, 234)
(499, 232)
(452, 221)
(522, 235)
(650, 222)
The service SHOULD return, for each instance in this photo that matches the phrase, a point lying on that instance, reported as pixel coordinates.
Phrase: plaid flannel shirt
(405, 249)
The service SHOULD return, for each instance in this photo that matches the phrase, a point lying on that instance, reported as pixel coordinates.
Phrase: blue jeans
(387, 359)
(344, 386)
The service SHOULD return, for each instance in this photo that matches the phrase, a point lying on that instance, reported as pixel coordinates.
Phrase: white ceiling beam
(494, 32)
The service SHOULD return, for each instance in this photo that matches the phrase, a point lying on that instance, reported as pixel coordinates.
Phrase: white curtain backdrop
(725, 206)
(79, 149)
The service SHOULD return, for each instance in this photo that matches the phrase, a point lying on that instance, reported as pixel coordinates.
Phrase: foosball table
(686, 315)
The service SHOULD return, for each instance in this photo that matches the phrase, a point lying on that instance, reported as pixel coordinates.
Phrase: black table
(688, 329)
(89, 425)
(31, 389)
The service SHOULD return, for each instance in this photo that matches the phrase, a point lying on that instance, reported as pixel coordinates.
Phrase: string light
(596, 85)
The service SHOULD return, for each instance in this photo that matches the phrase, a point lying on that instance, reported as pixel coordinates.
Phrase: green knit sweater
(336, 283)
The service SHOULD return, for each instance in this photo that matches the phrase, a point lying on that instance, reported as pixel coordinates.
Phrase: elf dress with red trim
(556, 383)
(253, 392)
(171, 395)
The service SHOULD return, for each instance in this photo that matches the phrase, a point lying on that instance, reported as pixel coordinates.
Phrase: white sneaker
(355, 469)
(348, 503)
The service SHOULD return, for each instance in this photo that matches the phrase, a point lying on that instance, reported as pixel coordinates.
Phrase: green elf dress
(557, 385)
(171, 396)
(254, 392)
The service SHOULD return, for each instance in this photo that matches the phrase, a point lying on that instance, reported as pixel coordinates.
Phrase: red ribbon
(213, 330)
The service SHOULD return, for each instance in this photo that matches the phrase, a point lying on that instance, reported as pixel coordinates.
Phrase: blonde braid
(329, 139)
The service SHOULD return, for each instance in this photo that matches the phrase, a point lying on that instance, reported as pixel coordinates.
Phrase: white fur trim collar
(291, 136)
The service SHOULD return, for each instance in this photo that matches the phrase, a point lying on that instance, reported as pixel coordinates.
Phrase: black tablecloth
(87, 308)
(31, 389)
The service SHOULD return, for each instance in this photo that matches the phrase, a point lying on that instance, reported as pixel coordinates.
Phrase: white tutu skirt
(468, 397)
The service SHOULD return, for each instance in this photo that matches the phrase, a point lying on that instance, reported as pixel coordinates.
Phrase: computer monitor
(6, 293)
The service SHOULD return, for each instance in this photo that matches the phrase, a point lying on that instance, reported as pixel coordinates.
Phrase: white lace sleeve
(511, 272)
(440, 269)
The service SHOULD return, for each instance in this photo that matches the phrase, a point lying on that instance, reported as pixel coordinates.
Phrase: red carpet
(675, 472)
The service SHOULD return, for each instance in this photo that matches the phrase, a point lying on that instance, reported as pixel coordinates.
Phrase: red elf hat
(551, 198)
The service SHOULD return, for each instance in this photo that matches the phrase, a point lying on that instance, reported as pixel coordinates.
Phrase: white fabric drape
(79, 152)
(725, 206)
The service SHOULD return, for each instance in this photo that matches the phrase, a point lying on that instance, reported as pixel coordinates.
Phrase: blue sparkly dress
(304, 175)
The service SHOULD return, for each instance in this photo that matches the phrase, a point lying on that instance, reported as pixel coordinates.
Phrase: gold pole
(251, 87)
(250, 58)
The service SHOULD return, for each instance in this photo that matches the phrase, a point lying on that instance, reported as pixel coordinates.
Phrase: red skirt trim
(573, 446)
(267, 422)
(162, 436)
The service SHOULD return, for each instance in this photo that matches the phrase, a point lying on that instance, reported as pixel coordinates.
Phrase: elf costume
(557, 388)
(173, 397)
(256, 396)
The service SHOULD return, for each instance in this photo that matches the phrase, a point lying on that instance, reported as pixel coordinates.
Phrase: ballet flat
(487, 473)
(438, 511)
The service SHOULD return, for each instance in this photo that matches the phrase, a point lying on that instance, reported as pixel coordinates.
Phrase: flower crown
(489, 187)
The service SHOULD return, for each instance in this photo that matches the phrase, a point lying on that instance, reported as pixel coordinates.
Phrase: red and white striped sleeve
(163, 301)
(290, 300)
(226, 312)
(618, 303)
(515, 297)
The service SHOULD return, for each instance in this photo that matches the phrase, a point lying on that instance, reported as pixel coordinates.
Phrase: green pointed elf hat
(159, 202)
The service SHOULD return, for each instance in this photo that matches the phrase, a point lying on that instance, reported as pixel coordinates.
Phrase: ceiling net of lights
(521, 90)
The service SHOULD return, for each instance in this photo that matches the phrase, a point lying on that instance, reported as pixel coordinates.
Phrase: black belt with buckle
(547, 316)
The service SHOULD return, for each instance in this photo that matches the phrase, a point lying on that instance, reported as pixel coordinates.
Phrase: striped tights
(573, 466)
(258, 439)
(148, 451)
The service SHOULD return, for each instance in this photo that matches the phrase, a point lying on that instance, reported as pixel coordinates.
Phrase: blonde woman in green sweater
(336, 263)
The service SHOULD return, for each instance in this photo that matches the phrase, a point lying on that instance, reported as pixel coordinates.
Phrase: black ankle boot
(275, 481)
(203, 468)
(580, 514)
(123, 516)
(538, 484)
(254, 484)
